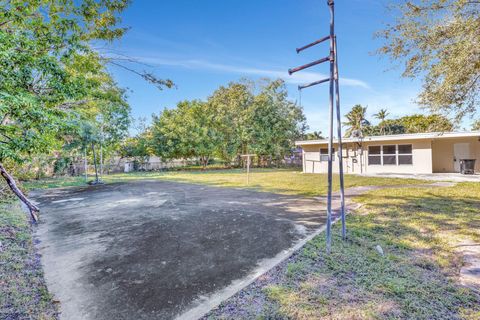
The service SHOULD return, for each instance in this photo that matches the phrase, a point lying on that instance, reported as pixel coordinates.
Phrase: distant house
(420, 153)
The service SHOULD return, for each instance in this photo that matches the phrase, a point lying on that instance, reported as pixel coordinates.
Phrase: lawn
(418, 229)
(23, 293)
(268, 180)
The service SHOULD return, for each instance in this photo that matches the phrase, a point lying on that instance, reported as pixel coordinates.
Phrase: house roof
(409, 136)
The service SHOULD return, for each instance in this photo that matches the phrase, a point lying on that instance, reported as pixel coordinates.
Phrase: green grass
(23, 294)
(267, 180)
(418, 229)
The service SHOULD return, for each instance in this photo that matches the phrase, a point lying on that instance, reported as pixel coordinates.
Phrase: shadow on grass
(415, 279)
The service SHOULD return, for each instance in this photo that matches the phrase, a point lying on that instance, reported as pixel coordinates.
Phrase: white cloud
(298, 78)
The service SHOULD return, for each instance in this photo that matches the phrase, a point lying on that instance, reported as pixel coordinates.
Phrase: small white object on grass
(379, 250)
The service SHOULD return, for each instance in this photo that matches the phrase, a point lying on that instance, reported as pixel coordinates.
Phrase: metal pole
(101, 159)
(340, 147)
(95, 162)
(85, 164)
(330, 138)
(248, 170)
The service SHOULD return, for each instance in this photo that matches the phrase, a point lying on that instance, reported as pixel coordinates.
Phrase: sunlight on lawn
(418, 229)
(269, 180)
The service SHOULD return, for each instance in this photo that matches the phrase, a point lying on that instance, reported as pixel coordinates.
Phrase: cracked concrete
(156, 249)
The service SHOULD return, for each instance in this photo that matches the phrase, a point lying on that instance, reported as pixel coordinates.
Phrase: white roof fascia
(411, 136)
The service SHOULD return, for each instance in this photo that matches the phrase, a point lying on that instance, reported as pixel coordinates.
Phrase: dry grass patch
(23, 293)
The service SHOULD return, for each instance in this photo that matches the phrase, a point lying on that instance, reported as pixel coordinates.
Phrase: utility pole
(334, 96)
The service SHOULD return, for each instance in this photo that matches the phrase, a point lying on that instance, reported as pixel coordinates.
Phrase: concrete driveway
(159, 250)
(454, 177)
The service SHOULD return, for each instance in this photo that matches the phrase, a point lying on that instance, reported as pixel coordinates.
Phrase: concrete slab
(470, 272)
(454, 177)
(155, 249)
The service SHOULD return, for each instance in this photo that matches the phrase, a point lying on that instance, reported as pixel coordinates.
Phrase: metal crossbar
(301, 87)
(334, 107)
(313, 44)
(308, 65)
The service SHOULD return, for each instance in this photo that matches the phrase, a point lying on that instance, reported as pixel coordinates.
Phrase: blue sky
(201, 45)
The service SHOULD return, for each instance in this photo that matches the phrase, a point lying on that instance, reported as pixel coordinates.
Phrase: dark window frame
(372, 156)
(390, 155)
(382, 156)
(405, 154)
(324, 155)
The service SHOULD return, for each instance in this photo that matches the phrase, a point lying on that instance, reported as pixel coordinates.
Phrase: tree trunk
(13, 186)
(95, 162)
(205, 162)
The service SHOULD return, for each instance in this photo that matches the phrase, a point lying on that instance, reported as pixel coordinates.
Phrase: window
(390, 155)
(324, 154)
(405, 154)
(374, 155)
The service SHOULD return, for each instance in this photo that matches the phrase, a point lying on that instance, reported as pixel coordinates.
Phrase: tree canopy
(356, 121)
(53, 84)
(416, 123)
(237, 119)
(439, 42)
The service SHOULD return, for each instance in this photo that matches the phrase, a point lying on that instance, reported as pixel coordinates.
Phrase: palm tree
(315, 135)
(382, 116)
(356, 121)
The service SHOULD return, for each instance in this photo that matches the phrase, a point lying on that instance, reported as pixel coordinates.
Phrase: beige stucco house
(420, 153)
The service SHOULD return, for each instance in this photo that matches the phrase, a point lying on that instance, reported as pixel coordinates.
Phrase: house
(419, 153)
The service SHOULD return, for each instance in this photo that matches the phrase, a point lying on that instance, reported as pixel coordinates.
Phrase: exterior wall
(443, 153)
(421, 158)
(311, 160)
(431, 152)
(355, 160)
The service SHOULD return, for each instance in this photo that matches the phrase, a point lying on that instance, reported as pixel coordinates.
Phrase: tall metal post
(340, 146)
(85, 164)
(334, 91)
(248, 170)
(330, 129)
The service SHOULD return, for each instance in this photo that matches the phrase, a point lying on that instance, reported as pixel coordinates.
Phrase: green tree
(418, 123)
(89, 135)
(273, 122)
(391, 126)
(138, 148)
(356, 121)
(476, 125)
(231, 108)
(315, 135)
(49, 73)
(185, 132)
(382, 116)
(439, 41)
(235, 120)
